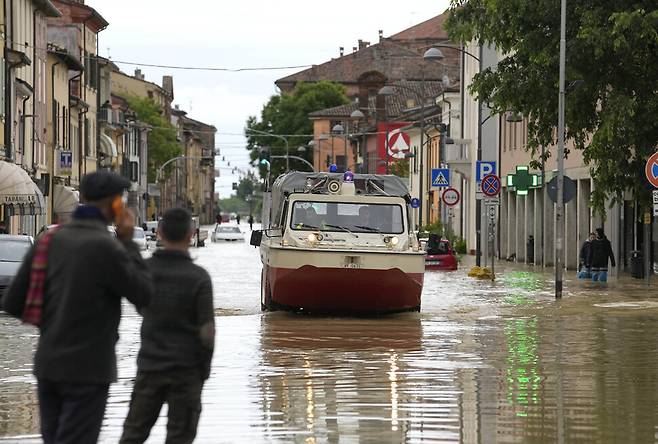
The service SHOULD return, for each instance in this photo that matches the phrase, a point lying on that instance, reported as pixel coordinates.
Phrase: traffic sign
(568, 191)
(655, 197)
(491, 201)
(484, 168)
(440, 178)
(492, 212)
(451, 197)
(651, 169)
(491, 185)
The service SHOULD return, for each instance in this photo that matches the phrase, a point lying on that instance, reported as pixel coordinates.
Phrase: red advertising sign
(399, 143)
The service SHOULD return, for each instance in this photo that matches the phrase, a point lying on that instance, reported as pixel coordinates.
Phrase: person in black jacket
(87, 271)
(178, 336)
(584, 267)
(599, 252)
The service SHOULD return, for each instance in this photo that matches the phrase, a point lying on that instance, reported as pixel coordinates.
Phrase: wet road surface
(483, 362)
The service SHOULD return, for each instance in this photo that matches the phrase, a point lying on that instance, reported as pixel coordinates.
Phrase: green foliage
(611, 45)
(288, 114)
(162, 143)
(399, 168)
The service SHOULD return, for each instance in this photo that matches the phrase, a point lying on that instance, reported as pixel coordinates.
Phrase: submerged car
(227, 233)
(139, 237)
(440, 255)
(12, 251)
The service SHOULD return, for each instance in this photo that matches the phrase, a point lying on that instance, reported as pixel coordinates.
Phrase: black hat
(102, 184)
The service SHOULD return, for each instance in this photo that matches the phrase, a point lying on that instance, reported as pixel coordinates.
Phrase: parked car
(139, 237)
(13, 249)
(440, 255)
(227, 233)
(151, 230)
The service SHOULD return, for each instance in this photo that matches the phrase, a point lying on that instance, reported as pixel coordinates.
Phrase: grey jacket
(88, 274)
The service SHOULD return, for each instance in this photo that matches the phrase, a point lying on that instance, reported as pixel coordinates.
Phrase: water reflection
(338, 379)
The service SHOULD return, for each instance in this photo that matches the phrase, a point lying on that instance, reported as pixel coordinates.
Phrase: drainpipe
(68, 126)
(55, 123)
(8, 83)
(36, 87)
(82, 132)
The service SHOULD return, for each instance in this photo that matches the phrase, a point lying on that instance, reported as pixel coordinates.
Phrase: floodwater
(482, 363)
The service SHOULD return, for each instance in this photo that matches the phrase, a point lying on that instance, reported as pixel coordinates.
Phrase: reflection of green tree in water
(523, 372)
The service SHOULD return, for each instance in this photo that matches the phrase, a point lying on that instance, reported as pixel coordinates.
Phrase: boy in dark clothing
(584, 269)
(178, 335)
(599, 252)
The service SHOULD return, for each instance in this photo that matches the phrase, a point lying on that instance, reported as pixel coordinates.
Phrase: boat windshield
(348, 217)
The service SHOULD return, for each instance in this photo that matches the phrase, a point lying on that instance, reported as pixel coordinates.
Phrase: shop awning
(18, 193)
(108, 147)
(65, 201)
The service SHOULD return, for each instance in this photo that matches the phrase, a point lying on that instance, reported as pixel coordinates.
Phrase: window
(352, 217)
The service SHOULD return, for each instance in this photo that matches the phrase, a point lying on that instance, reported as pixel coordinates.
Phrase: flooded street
(483, 362)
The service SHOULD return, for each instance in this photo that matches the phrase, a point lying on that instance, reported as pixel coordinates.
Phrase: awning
(65, 201)
(18, 193)
(108, 147)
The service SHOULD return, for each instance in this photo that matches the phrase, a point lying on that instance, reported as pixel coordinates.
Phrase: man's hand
(125, 225)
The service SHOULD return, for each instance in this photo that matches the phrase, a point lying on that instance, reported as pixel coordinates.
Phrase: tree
(400, 168)
(612, 46)
(287, 114)
(162, 142)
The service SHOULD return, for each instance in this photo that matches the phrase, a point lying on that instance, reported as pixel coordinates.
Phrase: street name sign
(440, 178)
(651, 169)
(451, 197)
(490, 185)
(484, 168)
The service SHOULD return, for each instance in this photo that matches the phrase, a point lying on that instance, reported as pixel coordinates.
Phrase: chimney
(354, 48)
(138, 74)
(342, 51)
(168, 85)
(381, 35)
(363, 44)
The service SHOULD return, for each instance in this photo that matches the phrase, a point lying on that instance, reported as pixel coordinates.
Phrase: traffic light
(264, 154)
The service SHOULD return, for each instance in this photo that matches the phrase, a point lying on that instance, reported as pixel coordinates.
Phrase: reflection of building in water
(338, 379)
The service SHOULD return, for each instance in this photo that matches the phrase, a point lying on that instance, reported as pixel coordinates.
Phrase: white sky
(244, 34)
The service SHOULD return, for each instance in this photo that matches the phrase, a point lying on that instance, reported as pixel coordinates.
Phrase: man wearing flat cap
(70, 286)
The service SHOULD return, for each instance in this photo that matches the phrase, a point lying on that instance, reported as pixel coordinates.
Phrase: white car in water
(139, 237)
(227, 233)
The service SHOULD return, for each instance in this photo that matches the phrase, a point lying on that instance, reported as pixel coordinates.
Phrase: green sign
(523, 180)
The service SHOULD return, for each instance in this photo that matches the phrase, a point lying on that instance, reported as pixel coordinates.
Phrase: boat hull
(322, 289)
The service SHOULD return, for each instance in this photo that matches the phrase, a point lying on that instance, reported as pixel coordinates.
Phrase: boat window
(353, 217)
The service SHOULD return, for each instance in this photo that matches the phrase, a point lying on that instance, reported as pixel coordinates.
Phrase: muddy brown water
(482, 363)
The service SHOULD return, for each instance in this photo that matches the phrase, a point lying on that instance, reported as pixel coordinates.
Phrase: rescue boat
(336, 242)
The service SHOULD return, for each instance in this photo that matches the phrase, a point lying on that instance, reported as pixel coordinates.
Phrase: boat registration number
(353, 265)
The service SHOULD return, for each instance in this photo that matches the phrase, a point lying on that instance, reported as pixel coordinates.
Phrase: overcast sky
(263, 33)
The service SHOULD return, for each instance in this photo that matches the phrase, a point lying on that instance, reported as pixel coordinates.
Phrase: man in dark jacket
(599, 252)
(584, 268)
(81, 276)
(178, 335)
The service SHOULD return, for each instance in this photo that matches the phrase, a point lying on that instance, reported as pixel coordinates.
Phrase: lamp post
(559, 210)
(357, 115)
(435, 53)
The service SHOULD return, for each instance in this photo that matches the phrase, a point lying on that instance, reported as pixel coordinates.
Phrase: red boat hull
(344, 289)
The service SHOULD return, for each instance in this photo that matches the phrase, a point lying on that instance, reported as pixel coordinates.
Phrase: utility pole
(559, 210)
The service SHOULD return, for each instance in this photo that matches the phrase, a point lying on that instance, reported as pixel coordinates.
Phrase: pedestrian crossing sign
(440, 178)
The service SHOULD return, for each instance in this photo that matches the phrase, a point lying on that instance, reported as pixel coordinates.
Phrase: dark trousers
(71, 413)
(180, 389)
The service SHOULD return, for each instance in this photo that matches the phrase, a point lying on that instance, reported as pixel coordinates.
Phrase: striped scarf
(36, 292)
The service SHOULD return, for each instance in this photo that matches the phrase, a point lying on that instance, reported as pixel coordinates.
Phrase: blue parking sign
(484, 168)
(440, 178)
